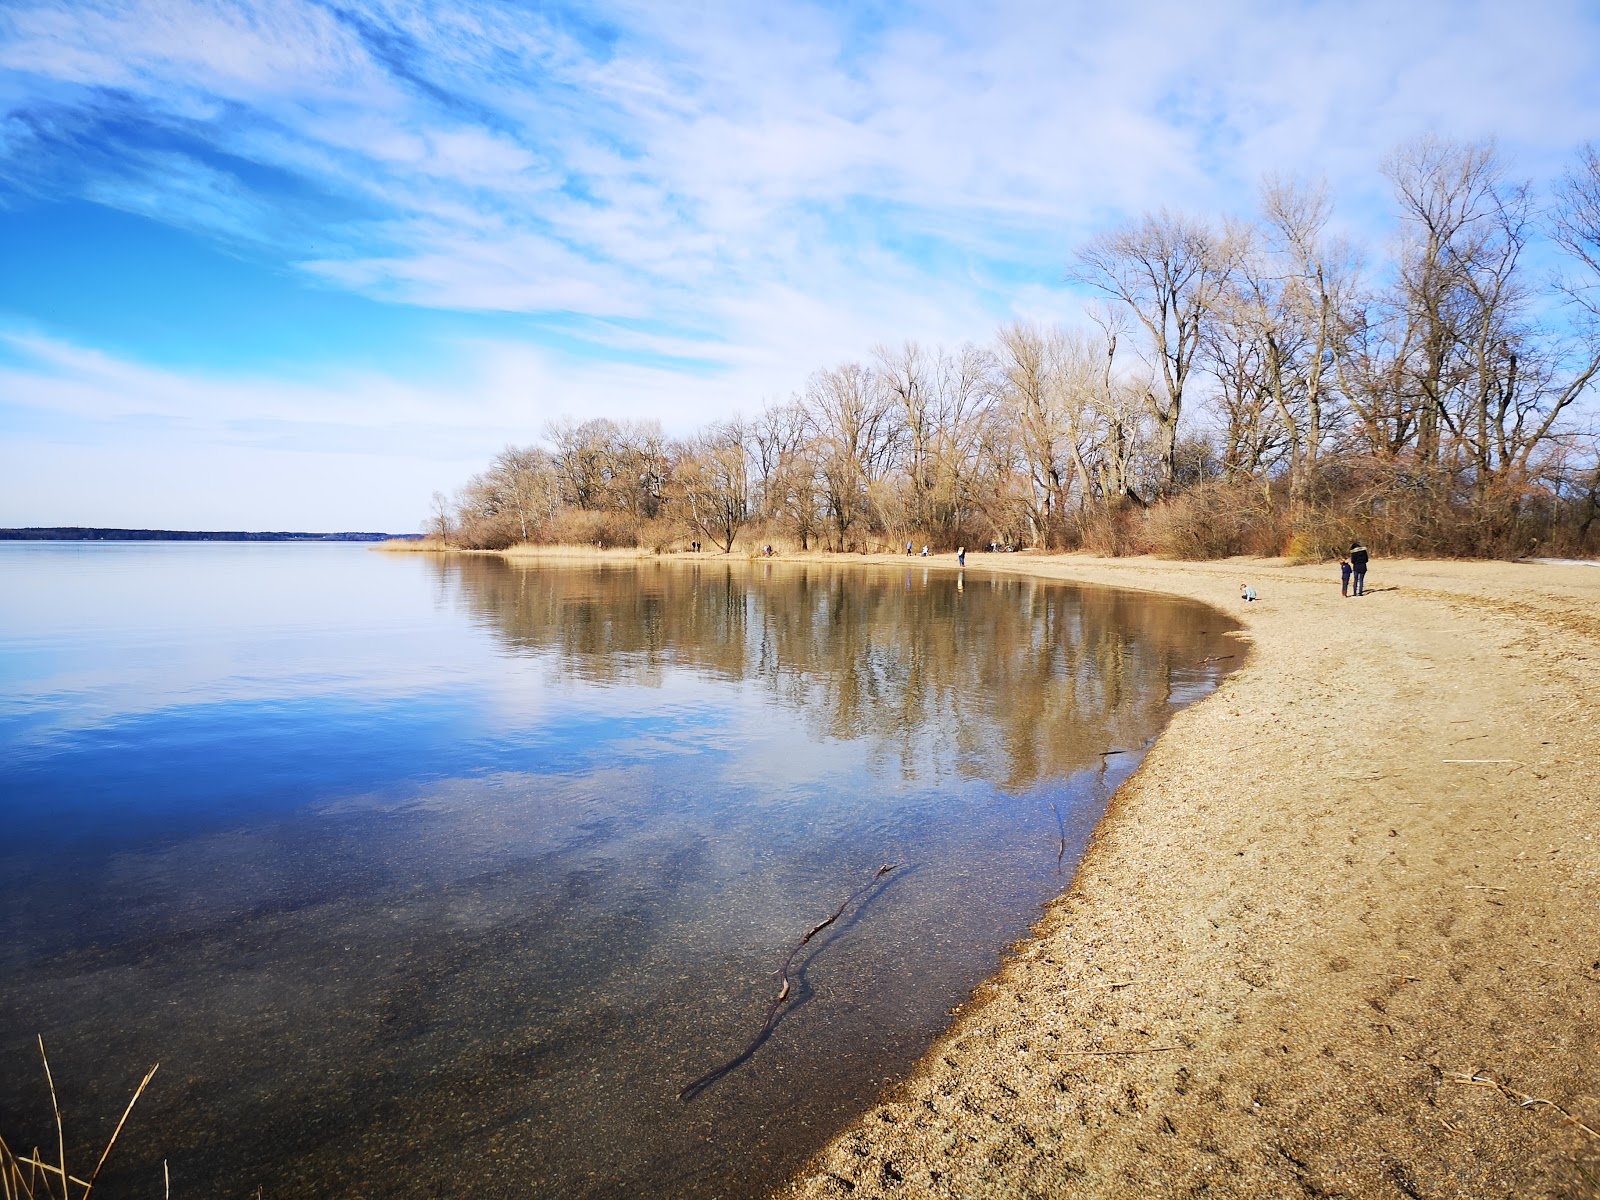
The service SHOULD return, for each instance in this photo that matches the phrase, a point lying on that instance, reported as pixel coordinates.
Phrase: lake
(424, 875)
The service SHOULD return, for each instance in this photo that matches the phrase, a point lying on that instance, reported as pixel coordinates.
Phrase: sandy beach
(1339, 936)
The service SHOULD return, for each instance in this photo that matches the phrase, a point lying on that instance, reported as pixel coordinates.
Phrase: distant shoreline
(85, 533)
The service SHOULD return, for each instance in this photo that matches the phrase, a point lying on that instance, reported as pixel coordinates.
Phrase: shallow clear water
(425, 876)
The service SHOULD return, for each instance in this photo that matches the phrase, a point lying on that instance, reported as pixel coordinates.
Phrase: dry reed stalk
(61, 1136)
(18, 1186)
(117, 1132)
(1485, 1079)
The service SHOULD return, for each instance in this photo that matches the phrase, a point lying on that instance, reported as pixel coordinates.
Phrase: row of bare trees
(1259, 376)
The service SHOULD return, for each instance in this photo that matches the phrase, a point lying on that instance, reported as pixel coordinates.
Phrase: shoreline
(1332, 937)
(1337, 936)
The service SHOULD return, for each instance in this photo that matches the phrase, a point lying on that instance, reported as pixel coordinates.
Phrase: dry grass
(34, 1177)
(427, 545)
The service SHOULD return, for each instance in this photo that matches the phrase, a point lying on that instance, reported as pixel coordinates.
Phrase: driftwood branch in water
(1060, 833)
(1215, 658)
(692, 1089)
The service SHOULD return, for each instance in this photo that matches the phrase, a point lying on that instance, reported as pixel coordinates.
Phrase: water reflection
(1032, 678)
(494, 860)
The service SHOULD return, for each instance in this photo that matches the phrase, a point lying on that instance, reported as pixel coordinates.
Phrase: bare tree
(439, 523)
(1313, 277)
(526, 481)
(512, 501)
(851, 417)
(614, 466)
(582, 458)
(786, 471)
(1169, 270)
(963, 404)
(1120, 408)
(1247, 347)
(1575, 222)
(1493, 380)
(940, 399)
(1371, 367)
(711, 479)
(1575, 225)
(1456, 205)
(907, 374)
(1029, 382)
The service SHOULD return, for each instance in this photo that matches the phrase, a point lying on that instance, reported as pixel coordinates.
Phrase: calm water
(421, 877)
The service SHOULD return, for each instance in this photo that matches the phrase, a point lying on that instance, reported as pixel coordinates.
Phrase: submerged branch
(1061, 832)
(692, 1089)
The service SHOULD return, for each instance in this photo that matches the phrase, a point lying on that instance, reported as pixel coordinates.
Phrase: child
(1344, 577)
(1247, 593)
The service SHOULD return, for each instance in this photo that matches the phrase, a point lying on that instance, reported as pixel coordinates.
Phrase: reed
(427, 545)
(33, 1177)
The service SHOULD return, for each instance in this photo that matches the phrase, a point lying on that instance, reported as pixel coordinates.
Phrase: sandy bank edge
(1337, 937)
(1317, 948)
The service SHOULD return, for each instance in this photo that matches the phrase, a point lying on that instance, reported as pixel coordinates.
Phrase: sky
(277, 264)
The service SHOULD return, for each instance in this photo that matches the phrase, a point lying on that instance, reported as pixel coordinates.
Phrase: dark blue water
(421, 876)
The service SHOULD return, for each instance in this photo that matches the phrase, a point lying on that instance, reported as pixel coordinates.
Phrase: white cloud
(175, 187)
(762, 188)
(685, 145)
(60, 378)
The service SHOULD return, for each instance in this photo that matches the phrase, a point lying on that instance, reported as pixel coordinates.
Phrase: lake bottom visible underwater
(430, 876)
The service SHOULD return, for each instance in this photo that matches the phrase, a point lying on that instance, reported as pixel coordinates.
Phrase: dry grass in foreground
(35, 1178)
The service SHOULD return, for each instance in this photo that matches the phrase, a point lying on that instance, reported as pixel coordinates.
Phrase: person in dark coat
(1358, 569)
(1344, 577)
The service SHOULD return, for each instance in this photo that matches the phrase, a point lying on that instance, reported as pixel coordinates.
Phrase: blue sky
(282, 264)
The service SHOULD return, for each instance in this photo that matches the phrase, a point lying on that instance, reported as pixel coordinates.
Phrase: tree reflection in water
(467, 914)
(1010, 679)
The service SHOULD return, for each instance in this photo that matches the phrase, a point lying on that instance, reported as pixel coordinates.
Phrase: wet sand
(1339, 935)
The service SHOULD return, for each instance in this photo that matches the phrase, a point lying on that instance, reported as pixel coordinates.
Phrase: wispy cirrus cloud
(580, 160)
(693, 206)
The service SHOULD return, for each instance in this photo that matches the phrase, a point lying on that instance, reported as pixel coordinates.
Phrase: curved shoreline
(1331, 938)
(1339, 935)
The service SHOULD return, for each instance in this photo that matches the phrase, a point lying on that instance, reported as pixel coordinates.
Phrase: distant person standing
(961, 556)
(908, 549)
(1344, 577)
(1358, 568)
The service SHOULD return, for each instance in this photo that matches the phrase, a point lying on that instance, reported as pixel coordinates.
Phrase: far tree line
(1239, 386)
